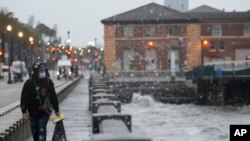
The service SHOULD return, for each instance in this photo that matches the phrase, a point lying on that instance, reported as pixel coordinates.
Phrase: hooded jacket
(29, 99)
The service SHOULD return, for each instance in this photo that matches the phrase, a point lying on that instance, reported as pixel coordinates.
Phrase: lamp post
(68, 40)
(102, 55)
(9, 28)
(204, 44)
(20, 35)
(31, 40)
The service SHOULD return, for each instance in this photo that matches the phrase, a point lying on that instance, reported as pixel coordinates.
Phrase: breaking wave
(190, 122)
(143, 100)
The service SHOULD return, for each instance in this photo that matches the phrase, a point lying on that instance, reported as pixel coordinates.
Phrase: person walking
(38, 99)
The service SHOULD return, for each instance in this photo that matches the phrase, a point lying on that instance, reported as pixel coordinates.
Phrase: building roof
(204, 9)
(150, 14)
(153, 13)
(205, 12)
(222, 15)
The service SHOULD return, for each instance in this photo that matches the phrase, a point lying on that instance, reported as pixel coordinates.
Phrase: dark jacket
(30, 103)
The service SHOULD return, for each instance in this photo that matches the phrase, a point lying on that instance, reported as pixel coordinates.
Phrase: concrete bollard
(13, 128)
(3, 136)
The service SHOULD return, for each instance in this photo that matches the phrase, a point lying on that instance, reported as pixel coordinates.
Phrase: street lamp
(204, 44)
(9, 28)
(31, 40)
(20, 35)
(150, 44)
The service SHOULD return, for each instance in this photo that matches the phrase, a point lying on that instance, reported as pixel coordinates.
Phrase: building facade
(227, 34)
(180, 5)
(150, 37)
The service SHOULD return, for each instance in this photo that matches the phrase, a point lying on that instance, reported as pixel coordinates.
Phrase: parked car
(5, 72)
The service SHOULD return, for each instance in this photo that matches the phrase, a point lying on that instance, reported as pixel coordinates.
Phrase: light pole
(102, 55)
(68, 40)
(31, 40)
(20, 35)
(9, 28)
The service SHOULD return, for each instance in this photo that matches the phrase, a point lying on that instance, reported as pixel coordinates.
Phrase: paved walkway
(77, 122)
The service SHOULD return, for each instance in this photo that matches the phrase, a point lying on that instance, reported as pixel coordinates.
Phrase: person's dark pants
(38, 127)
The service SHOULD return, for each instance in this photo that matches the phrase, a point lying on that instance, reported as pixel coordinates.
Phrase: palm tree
(43, 29)
(6, 17)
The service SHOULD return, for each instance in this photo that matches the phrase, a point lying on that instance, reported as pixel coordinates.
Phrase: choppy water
(186, 122)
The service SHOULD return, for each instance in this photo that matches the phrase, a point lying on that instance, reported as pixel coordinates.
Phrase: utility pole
(68, 38)
(95, 42)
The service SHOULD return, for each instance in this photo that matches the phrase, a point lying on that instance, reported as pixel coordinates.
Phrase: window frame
(216, 30)
(128, 63)
(151, 61)
(246, 29)
(150, 31)
(173, 30)
(222, 44)
(128, 31)
(212, 46)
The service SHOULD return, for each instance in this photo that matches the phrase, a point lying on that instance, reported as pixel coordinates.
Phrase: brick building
(145, 38)
(227, 33)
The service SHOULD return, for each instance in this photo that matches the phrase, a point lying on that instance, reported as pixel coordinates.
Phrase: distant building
(227, 33)
(180, 5)
(144, 38)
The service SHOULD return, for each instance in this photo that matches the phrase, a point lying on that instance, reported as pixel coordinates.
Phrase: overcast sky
(82, 17)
